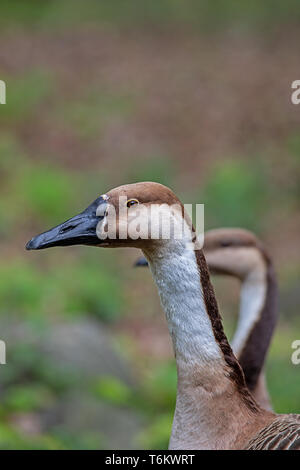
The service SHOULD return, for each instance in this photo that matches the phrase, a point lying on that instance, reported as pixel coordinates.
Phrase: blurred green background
(195, 95)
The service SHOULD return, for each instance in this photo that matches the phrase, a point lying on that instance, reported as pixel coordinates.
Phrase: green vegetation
(153, 168)
(35, 292)
(283, 389)
(112, 390)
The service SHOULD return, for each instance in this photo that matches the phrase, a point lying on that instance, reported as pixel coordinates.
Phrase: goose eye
(131, 202)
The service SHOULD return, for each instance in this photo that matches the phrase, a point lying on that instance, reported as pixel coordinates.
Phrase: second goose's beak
(79, 230)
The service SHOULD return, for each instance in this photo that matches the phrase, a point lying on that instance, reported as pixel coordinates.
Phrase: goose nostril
(67, 228)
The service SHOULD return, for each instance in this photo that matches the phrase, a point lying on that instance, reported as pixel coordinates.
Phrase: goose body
(214, 408)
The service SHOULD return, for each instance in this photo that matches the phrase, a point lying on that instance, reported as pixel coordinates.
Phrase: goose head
(140, 215)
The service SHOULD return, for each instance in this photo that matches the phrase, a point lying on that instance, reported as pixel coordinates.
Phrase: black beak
(79, 230)
(140, 262)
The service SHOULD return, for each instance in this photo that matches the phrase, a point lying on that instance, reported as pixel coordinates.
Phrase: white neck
(252, 299)
(204, 388)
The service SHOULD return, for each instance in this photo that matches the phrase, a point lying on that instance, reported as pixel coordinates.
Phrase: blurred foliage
(158, 387)
(112, 390)
(28, 290)
(157, 435)
(47, 191)
(26, 398)
(284, 389)
(153, 168)
(88, 116)
(44, 191)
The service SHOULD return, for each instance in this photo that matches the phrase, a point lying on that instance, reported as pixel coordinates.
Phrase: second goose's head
(142, 215)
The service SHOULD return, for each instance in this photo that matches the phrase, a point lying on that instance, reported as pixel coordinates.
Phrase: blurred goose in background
(238, 252)
(214, 407)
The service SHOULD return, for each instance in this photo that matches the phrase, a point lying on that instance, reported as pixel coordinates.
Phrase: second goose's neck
(210, 381)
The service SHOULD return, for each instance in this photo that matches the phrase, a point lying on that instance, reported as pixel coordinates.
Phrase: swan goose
(239, 253)
(214, 408)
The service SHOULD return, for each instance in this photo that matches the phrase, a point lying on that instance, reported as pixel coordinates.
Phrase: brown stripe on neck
(253, 354)
(236, 373)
